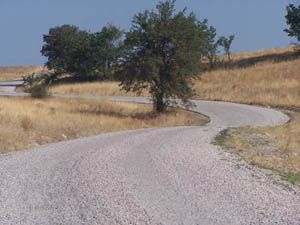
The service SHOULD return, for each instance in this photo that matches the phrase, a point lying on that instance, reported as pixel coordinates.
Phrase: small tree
(163, 52)
(209, 43)
(293, 21)
(226, 44)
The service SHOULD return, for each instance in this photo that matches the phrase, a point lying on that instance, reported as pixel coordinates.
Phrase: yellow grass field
(27, 123)
(12, 73)
(268, 83)
(107, 88)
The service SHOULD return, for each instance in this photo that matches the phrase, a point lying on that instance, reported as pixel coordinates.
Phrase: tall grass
(17, 72)
(26, 123)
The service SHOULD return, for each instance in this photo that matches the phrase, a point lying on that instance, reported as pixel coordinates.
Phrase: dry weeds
(267, 83)
(26, 123)
(94, 88)
(12, 73)
(275, 148)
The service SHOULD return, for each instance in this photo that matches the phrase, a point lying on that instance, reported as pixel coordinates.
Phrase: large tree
(164, 48)
(66, 48)
(82, 54)
(293, 21)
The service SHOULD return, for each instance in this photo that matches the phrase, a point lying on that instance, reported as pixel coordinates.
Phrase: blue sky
(257, 24)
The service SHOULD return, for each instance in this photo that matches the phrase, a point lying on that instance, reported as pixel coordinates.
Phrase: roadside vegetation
(27, 123)
(274, 148)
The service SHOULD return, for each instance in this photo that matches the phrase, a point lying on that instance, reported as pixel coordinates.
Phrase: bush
(38, 90)
(46, 78)
(26, 123)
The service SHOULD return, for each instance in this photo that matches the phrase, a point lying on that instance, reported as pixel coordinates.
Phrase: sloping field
(269, 77)
(269, 83)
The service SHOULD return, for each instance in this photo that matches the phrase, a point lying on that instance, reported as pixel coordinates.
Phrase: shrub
(26, 123)
(38, 90)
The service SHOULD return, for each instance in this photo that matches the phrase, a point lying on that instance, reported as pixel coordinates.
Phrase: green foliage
(38, 90)
(82, 54)
(106, 49)
(209, 43)
(293, 21)
(294, 178)
(37, 84)
(163, 52)
(226, 44)
(66, 48)
(221, 138)
(46, 78)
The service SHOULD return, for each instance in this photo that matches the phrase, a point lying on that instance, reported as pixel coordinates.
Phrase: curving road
(151, 176)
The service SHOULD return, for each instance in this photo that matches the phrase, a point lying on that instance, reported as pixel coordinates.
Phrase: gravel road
(153, 176)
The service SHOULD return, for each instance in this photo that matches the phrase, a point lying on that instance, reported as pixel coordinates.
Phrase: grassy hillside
(269, 83)
(269, 77)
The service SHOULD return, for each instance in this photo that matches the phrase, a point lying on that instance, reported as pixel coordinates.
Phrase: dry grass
(26, 123)
(11, 73)
(265, 53)
(95, 89)
(269, 77)
(275, 148)
(268, 83)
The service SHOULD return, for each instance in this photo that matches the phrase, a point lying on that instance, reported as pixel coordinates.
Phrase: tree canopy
(293, 21)
(226, 44)
(82, 54)
(164, 48)
(162, 52)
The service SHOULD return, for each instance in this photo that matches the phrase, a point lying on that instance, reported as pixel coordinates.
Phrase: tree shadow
(139, 116)
(251, 61)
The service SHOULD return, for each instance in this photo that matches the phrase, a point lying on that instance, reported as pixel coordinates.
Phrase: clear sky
(257, 24)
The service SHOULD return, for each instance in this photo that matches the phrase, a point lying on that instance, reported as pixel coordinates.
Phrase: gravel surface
(150, 176)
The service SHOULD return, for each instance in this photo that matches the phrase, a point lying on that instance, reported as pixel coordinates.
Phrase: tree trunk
(159, 102)
(229, 57)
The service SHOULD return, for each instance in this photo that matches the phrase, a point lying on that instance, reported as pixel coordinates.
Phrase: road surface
(150, 176)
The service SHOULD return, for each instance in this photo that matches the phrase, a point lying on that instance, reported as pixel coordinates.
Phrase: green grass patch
(221, 138)
(291, 177)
